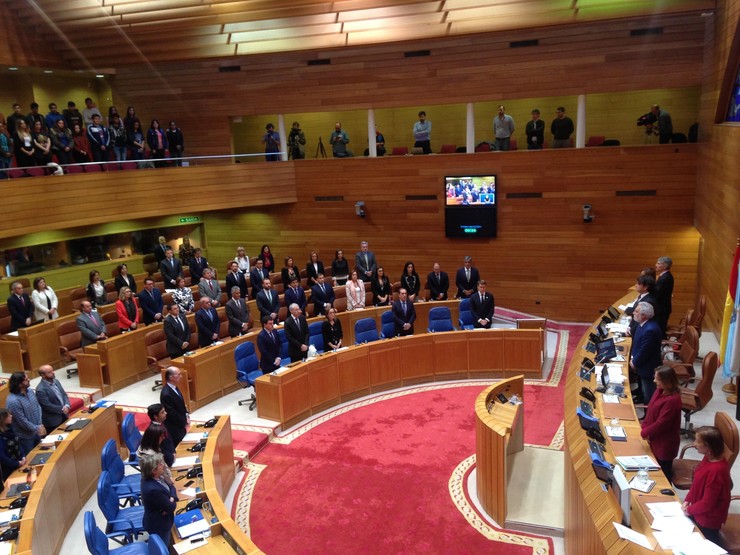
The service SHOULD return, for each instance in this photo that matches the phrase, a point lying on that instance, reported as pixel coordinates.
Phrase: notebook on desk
(76, 424)
(191, 523)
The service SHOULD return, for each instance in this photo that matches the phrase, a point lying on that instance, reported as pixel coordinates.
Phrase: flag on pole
(729, 346)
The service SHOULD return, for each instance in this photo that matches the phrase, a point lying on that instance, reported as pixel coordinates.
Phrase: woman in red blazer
(662, 424)
(128, 310)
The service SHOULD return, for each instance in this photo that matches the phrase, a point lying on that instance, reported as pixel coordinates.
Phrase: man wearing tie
(209, 287)
(197, 265)
(322, 296)
(296, 294)
(365, 263)
(404, 314)
(177, 330)
(645, 288)
(178, 418)
(90, 324)
(207, 321)
(296, 330)
(235, 278)
(268, 342)
(438, 283)
(161, 249)
(52, 398)
(20, 307)
(482, 306)
(466, 279)
(237, 313)
(267, 301)
(171, 269)
(257, 274)
(151, 303)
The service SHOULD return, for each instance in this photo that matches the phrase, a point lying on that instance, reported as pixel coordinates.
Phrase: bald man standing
(53, 399)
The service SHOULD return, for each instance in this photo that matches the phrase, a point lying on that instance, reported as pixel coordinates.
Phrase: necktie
(269, 296)
(179, 321)
(210, 315)
(367, 265)
(323, 292)
(93, 319)
(23, 301)
(271, 336)
(467, 274)
(481, 297)
(404, 307)
(210, 285)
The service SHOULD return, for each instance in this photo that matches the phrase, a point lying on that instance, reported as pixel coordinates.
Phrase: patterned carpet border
(461, 500)
(243, 500)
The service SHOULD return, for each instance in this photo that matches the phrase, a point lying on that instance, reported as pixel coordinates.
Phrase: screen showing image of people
(470, 190)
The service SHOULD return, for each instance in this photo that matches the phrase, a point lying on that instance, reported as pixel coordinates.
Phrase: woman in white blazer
(355, 290)
(45, 304)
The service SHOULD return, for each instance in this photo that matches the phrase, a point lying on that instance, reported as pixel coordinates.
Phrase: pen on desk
(196, 540)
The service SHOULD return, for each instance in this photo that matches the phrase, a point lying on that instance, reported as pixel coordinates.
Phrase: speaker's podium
(518, 487)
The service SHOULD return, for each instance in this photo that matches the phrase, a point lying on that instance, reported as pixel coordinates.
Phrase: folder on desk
(623, 411)
(191, 523)
(76, 424)
(41, 458)
(634, 463)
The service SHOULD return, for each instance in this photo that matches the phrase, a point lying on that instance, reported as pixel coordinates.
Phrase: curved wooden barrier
(499, 432)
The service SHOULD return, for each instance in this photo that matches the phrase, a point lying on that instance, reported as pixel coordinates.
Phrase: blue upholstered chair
(97, 542)
(131, 436)
(315, 337)
(122, 524)
(466, 315)
(247, 369)
(128, 487)
(388, 326)
(284, 348)
(440, 319)
(366, 331)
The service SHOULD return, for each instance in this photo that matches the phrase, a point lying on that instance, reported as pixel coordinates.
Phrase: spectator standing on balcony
(176, 142)
(99, 139)
(137, 142)
(535, 131)
(130, 118)
(62, 142)
(423, 133)
(561, 128)
(72, 116)
(81, 149)
(53, 117)
(89, 111)
(157, 141)
(23, 141)
(6, 151)
(118, 138)
(271, 140)
(503, 128)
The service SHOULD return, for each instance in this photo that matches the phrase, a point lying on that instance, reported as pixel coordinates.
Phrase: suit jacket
(663, 296)
(51, 408)
(298, 297)
(269, 350)
(159, 252)
(19, 310)
(237, 280)
(89, 329)
(207, 326)
(176, 335)
(256, 276)
(177, 413)
(212, 290)
(438, 286)
(320, 298)
(297, 336)
(151, 304)
(170, 270)
(482, 309)
(124, 322)
(120, 283)
(265, 306)
(401, 317)
(648, 298)
(362, 267)
(311, 272)
(159, 511)
(646, 355)
(464, 283)
(237, 314)
(196, 269)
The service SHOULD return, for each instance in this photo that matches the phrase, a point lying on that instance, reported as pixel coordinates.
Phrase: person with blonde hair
(127, 309)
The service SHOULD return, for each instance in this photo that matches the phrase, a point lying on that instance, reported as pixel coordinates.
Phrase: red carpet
(376, 478)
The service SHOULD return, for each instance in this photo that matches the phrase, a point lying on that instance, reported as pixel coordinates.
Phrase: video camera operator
(296, 141)
(271, 140)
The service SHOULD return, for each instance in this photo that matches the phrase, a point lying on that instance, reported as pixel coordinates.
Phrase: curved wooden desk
(589, 510)
(499, 432)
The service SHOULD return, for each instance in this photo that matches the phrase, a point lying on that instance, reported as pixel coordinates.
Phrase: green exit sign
(189, 219)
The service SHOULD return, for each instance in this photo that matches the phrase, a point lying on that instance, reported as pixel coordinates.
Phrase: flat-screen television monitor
(470, 205)
(606, 350)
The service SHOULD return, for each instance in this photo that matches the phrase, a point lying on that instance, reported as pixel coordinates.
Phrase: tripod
(320, 149)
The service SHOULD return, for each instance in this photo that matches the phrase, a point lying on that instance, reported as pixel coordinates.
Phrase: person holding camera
(296, 141)
(271, 140)
(339, 140)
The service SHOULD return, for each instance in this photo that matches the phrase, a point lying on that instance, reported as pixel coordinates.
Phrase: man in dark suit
(322, 296)
(151, 303)
(178, 418)
(404, 314)
(235, 278)
(53, 399)
(296, 294)
(177, 330)
(466, 279)
(171, 269)
(160, 249)
(645, 356)
(237, 313)
(256, 275)
(90, 324)
(438, 282)
(207, 321)
(663, 292)
(20, 308)
(268, 342)
(268, 302)
(645, 286)
(365, 263)
(209, 287)
(197, 264)
(482, 306)
(296, 331)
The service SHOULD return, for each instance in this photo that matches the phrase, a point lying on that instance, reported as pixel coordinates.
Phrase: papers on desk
(616, 433)
(189, 492)
(191, 523)
(7, 516)
(645, 486)
(190, 544)
(51, 439)
(194, 437)
(182, 462)
(6, 548)
(665, 510)
(695, 544)
(618, 328)
(635, 537)
(634, 463)
(613, 399)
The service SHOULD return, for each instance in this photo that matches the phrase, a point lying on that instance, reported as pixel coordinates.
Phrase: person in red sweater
(662, 424)
(708, 501)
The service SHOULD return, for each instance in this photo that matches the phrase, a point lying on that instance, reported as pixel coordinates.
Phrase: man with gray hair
(296, 331)
(663, 291)
(467, 279)
(209, 287)
(646, 356)
(237, 313)
(365, 263)
(20, 307)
